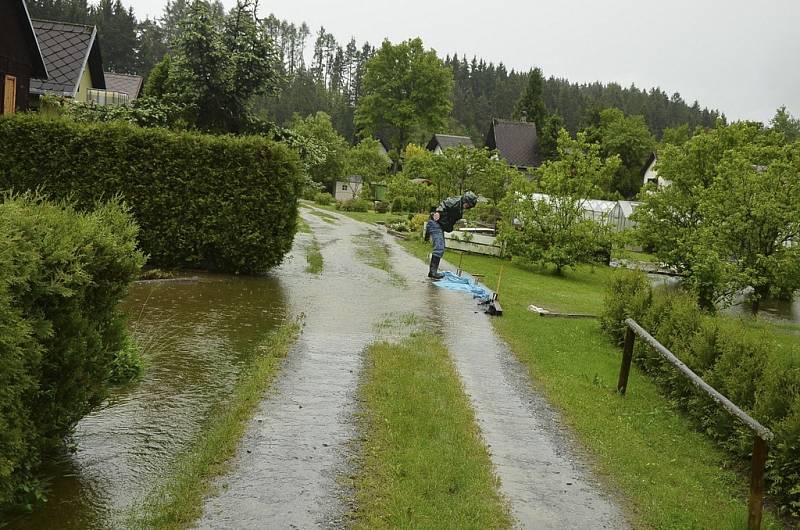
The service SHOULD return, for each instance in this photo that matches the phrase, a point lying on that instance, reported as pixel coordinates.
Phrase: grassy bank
(425, 465)
(673, 476)
(179, 501)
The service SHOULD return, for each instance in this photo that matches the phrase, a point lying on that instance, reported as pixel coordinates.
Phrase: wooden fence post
(627, 356)
(756, 504)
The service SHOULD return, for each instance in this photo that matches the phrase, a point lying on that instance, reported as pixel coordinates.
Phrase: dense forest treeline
(333, 80)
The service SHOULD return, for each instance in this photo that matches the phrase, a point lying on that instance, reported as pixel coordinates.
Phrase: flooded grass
(641, 447)
(302, 226)
(371, 250)
(328, 218)
(179, 501)
(425, 464)
(313, 257)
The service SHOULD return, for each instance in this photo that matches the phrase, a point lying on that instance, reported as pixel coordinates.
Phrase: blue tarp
(465, 284)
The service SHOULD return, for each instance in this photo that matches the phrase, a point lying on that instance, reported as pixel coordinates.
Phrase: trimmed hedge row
(218, 202)
(737, 360)
(62, 274)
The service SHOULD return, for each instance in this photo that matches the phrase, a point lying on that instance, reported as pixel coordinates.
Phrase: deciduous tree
(407, 93)
(728, 220)
(552, 228)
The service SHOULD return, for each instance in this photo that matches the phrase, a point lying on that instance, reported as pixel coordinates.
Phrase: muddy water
(195, 335)
(770, 309)
(288, 472)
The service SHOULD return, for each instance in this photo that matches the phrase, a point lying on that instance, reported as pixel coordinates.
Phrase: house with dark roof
(20, 56)
(72, 55)
(440, 142)
(130, 85)
(516, 141)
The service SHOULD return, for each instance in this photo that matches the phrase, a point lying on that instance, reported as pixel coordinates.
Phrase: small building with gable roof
(72, 55)
(440, 142)
(516, 141)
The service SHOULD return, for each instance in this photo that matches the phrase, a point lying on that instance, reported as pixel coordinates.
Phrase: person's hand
(436, 216)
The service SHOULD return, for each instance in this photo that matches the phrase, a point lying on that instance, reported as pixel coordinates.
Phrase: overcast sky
(740, 56)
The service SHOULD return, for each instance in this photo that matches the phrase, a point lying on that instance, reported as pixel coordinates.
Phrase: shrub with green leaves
(743, 363)
(219, 202)
(127, 365)
(353, 205)
(62, 274)
(324, 198)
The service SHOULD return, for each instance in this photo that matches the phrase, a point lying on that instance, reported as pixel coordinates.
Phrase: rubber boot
(433, 271)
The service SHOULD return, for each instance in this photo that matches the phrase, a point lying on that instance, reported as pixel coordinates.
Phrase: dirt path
(287, 472)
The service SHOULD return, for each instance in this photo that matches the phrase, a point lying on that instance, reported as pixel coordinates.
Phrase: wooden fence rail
(762, 434)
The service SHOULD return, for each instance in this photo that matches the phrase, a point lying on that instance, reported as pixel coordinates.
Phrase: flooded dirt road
(289, 469)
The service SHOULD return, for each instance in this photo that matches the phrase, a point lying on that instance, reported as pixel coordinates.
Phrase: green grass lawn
(670, 475)
(425, 465)
(633, 255)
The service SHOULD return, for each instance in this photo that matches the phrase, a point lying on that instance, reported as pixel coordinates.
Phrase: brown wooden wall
(15, 53)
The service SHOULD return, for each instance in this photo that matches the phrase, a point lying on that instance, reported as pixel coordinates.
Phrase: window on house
(344, 187)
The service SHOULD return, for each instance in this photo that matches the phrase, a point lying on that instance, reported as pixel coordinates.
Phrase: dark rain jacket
(450, 211)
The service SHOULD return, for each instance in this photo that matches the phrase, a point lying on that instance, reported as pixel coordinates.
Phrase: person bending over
(442, 220)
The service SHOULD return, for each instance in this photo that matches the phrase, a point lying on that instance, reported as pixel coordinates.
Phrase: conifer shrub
(62, 275)
(218, 202)
(744, 364)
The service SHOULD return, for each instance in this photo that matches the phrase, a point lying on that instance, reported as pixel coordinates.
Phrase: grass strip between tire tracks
(668, 474)
(313, 257)
(425, 464)
(179, 501)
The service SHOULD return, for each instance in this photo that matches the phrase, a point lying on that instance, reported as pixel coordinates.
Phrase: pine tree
(530, 106)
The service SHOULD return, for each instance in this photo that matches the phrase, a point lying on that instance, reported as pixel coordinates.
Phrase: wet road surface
(289, 468)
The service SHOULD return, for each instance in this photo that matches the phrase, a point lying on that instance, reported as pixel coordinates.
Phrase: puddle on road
(195, 337)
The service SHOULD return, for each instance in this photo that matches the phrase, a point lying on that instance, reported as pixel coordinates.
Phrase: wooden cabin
(20, 56)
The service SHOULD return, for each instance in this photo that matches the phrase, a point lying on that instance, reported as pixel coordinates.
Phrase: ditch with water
(781, 311)
(195, 335)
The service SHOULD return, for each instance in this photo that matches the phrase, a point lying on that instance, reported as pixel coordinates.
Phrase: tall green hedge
(219, 202)
(743, 363)
(62, 275)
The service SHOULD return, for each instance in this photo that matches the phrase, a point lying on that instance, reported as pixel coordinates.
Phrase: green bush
(62, 274)
(381, 207)
(397, 204)
(219, 202)
(738, 361)
(127, 365)
(353, 205)
(324, 198)
(627, 296)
